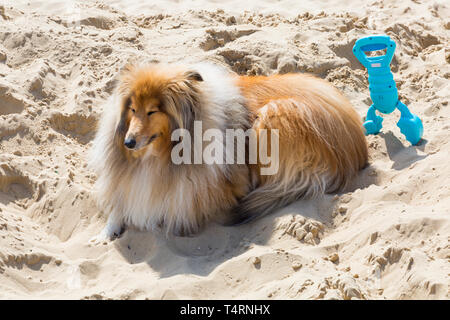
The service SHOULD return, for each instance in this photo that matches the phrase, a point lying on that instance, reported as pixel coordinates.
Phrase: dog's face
(148, 124)
(155, 101)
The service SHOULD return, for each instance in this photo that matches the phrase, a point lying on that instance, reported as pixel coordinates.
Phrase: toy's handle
(373, 43)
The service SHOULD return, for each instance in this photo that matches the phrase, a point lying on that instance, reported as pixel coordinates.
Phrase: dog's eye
(133, 110)
(150, 113)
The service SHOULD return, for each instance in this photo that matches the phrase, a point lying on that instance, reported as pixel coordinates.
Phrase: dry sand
(387, 237)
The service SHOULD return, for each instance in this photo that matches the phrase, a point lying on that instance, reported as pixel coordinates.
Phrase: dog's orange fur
(320, 135)
(314, 94)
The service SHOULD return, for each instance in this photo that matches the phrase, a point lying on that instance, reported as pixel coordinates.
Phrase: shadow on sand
(201, 254)
(401, 155)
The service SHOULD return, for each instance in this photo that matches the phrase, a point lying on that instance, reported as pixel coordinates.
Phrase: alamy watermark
(213, 152)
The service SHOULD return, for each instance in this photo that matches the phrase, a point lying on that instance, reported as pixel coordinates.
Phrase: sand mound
(386, 237)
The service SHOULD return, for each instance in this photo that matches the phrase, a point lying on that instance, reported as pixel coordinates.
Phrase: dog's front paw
(102, 238)
(109, 233)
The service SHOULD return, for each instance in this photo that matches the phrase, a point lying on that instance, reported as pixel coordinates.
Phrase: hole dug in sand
(75, 125)
(10, 101)
(14, 185)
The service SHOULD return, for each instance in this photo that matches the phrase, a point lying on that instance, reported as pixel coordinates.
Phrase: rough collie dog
(321, 146)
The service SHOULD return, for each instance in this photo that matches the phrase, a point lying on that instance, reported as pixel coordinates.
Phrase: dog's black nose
(130, 143)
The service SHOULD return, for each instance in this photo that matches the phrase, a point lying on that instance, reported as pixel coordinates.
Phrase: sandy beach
(386, 237)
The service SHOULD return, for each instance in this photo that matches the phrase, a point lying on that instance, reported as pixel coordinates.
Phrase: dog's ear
(127, 68)
(193, 75)
(125, 78)
(183, 99)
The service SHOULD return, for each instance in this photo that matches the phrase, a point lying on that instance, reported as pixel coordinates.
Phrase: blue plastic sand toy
(383, 90)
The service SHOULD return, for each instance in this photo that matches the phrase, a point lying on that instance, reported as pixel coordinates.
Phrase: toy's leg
(410, 125)
(373, 122)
